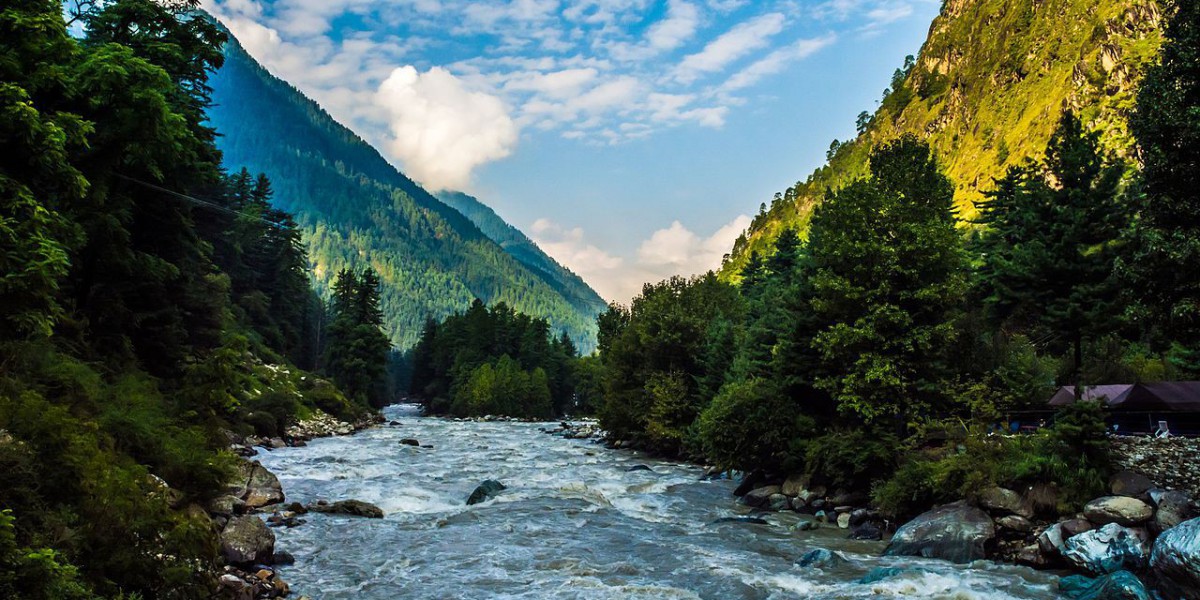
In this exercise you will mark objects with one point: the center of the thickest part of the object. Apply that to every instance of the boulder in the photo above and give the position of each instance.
(353, 508)
(866, 531)
(806, 525)
(778, 502)
(485, 491)
(1121, 585)
(1173, 509)
(235, 588)
(794, 484)
(1032, 556)
(1015, 523)
(1121, 510)
(956, 532)
(1176, 560)
(843, 520)
(246, 540)
(1074, 527)
(283, 558)
(806, 496)
(1004, 501)
(1129, 483)
(798, 504)
(1107, 550)
(844, 498)
(820, 558)
(760, 497)
(226, 505)
(410, 442)
(749, 482)
(860, 516)
(1052, 541)
(255, 485)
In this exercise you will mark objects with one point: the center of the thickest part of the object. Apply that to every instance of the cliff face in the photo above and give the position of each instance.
(986, 91)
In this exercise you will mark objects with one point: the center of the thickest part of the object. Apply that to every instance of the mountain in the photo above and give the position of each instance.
(519, 246)
(356, 210)
(986, 91)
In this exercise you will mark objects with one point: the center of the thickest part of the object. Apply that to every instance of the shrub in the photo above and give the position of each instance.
(750, 425)
(852, 459)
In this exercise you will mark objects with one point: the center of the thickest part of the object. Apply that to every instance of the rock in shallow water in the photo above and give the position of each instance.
(354, 508)
(1176, 560)
(956, 532)
(760, 497)
(1106, 550)
(1121, 585)
(820, 558)
(486, 491)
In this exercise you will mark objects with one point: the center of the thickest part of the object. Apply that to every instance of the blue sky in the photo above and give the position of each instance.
(630, 138)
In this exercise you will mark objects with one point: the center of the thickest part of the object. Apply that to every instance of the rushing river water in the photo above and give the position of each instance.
(573, 523)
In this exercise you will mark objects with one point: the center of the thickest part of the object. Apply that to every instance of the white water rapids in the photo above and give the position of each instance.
(573, 523)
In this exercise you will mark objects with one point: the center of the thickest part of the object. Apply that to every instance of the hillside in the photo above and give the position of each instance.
(986, 91)
(517, 244)
(356, 210)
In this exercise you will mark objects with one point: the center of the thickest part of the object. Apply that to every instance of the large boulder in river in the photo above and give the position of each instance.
(760, 497)
(485, 491)
(1106, 550)
(1121, 510)
(353, 508)
(956, 532)
(1176, 560)
(246, 540)
(1121, 585)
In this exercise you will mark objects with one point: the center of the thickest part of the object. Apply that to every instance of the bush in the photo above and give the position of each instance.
(750, 425)
(852, 459)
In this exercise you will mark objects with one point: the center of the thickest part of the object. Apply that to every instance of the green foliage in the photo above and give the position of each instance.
(467, 363)
(356, 211)
(1163, 266)
(750, 425)
(35, 574)
(888, 274)
(356, 354)
(852, 458)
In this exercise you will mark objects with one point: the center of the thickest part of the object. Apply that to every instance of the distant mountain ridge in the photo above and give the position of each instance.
(526, 251)
(985, 91)
(357, 210)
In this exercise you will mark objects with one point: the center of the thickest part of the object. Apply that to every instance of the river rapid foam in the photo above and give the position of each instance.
(573, 523)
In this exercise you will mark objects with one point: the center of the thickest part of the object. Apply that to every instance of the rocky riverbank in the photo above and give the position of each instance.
(246, 538)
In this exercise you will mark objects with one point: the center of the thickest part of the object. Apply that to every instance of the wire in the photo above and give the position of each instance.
(198, 201)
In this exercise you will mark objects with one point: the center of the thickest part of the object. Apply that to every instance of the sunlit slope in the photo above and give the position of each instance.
(986, 91)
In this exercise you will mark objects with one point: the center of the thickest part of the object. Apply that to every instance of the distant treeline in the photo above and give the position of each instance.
(500, 362)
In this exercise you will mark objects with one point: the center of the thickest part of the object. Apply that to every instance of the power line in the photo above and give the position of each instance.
(197, 201)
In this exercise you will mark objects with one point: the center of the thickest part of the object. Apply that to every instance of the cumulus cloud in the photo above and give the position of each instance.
(680, 25)
(739, 41)
(439, 129)
(673, 250)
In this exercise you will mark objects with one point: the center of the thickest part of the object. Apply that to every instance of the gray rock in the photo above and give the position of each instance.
(1176, 560)
(1173, 509)
(639, 468)
(798, 504)
(1106, 550)
(1128, 483)
(1015, 523)
(844, 498)
(1032, 556)
(866, 531)
(807, 525)
(1052, 541)
(820, 558)
(749, 482)
(283, 558)
(750, 520)
(1121, 585)
(410, 442)
(1074, 527)
(1121, 510)
(1004, 501)
(226, 505)
(860, 516)
(956, 532)
(257, 486)
(760, 497)
(820, 516)
(843, 520)
(246, 540)
(778, 502)
(794, 484)
(353, 508)
(485, 491)
(806, 496)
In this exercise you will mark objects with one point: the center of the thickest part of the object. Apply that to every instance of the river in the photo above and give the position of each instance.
(573, 523)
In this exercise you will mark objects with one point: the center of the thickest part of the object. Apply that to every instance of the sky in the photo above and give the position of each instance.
(631, 139)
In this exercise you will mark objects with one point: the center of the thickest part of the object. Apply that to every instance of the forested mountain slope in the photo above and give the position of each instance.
(986, 91)
(516, 243)
(356, 210)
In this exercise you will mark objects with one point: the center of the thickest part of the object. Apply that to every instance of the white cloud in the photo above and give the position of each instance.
(439, 129)
(776, 62)
(674, 250)
(679, 26)
(739, 41)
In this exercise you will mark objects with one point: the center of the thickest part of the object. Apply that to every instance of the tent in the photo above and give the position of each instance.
(1138, 407)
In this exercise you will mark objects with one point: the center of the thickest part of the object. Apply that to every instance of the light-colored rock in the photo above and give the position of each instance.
(1106, 550)
(794, 484)
(1015, 523)
(1176, 560)
(1004, 501)
(1121, 510)
(246, 540)
(956, 532)
(843, 520)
